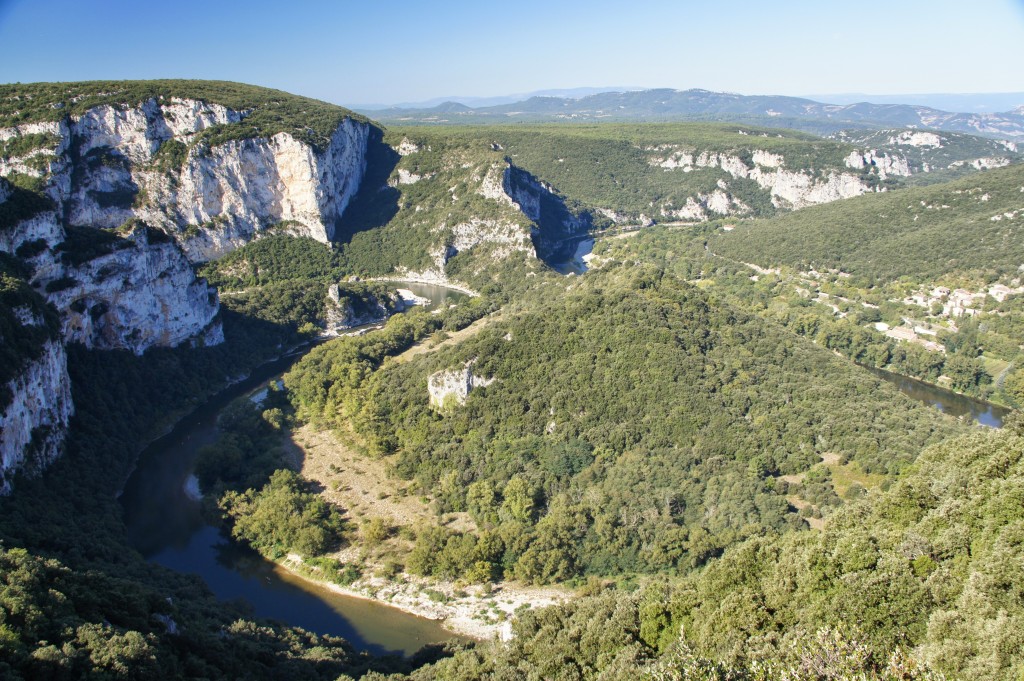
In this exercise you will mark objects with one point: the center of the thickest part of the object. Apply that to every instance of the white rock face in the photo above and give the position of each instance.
(913, 138)
(494, 186)
(341, 317)
(136, 297)
(43, 226)
(509, 237)
(798, 190)
(242, 187)
(34, 423)
(990, 162)
(232, 191)
(100, 173)
(886, 164)
(788, 188)
(407, 147)
(455, 384)
(768, 159)
(184, 117)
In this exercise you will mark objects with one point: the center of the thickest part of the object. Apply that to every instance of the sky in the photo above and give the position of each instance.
(370, 52)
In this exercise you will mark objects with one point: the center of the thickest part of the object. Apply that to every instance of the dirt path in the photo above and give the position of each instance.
(429, 345)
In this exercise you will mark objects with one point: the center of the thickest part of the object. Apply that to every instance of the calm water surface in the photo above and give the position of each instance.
(166, 525)
(946, 401)
(577, 265)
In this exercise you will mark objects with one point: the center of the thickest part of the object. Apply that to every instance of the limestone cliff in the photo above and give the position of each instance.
(33, 424)
(452, 386)
(114, 163)
(236, 190)
(120, 194)
(35, 392)
(789, 188)
(143, 293)
(542, 204)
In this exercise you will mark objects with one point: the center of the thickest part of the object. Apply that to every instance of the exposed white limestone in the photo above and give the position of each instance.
(220, 199)
(34, 423)
(788, 188)
(341, 317)
(454, 385)
(886, 164)
(406, 147)
(140, 295)
(237, 189)
(405, 177)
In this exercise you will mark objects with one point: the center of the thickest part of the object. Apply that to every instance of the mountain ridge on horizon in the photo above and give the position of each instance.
(666, 104)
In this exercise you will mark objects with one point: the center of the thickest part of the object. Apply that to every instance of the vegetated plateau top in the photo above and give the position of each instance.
(265, 112)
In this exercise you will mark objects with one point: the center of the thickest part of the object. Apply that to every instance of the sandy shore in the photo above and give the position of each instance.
(473, 611)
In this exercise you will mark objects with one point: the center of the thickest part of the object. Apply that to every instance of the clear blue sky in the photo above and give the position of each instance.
(386, 51)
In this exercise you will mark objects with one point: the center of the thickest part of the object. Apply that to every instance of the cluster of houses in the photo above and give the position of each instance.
(960, 302)
(922, 335)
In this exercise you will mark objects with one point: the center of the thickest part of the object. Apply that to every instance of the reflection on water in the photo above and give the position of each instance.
(234, 572)
(946, 401)
(167, 527)
(577, 264)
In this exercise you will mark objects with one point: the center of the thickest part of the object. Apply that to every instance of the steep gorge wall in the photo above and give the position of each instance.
(173, 201)
(33, 424)
(789, 189)
(233, 191)
(112, 164)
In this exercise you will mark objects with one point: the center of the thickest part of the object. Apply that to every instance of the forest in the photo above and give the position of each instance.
(968, 228)
(681, 437)
(629, 372)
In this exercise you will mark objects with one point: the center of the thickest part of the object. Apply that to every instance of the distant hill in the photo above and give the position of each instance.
(974, 102)
(969, 227)
(668, 105)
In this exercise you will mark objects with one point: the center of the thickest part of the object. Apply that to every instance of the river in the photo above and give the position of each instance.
(577, 264)
(165, 524)
(946, 401)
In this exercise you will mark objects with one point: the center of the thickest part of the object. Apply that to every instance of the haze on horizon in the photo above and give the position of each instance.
(383, 53)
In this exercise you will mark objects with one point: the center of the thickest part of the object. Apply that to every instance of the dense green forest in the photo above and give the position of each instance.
(970, 227)
(978, 355)
(933, 564)
(285, 279)
(632, 427)
(676, 435)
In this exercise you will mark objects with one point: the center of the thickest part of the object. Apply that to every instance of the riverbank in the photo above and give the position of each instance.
(482, 612)
(363, 487)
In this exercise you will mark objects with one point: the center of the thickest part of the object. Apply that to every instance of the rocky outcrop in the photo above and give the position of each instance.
(885, 164)
(143, 293)
(107, 166)
(502, 236)
(543, 205)
(788, 188)
(34, 422)
(230, 193)
(454, 385)
(916, 138)
(341, 315)
(173, 199)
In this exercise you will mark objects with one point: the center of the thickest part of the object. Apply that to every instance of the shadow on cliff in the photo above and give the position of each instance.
(376, 203)
(561, 225)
